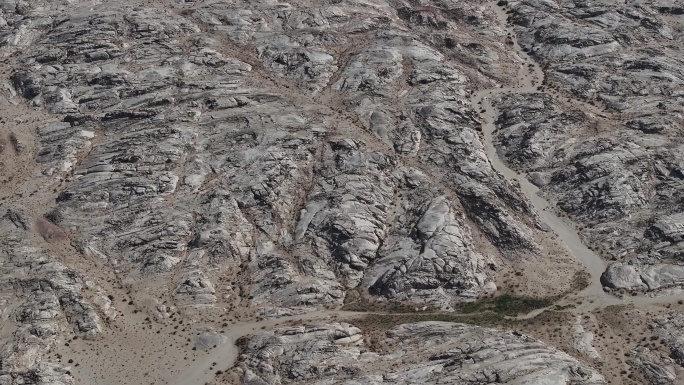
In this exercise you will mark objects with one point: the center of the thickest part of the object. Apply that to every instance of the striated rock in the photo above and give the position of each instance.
(51, 290)
(669, 327)
(601, 136)
(669, 228)
(216, 160)
(44, 374)
(42, 301)
(649, 277)
(582, 341)
(441, 262)
(194, 288)
(618, 276)
(267, 157)
(426, 352)
(654, 367)
(28, 85)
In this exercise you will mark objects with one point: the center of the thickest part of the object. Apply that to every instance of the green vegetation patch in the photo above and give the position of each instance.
(384, 322)
(505, 305)
(357, 301)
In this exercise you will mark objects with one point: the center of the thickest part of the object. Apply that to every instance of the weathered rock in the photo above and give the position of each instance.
(427, 352)
(273, 156)
(670, 328)
(207, 339)
(670, 228)
(621, 276)
(582, 341)
(440, 263)
(218, 158)
(653, 366)
(642, 277)
(602, 133)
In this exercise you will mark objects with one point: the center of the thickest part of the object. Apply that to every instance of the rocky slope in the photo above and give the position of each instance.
(170, 169)
(601, 136)
(426, 353)
(269, 153)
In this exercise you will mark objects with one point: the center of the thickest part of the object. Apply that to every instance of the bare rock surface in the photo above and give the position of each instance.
(582, 341)
(250, 157)
(669, 327)
(429, 353)
(600, 136)
(172, 169)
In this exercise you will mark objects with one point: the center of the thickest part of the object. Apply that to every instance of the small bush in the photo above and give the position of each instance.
(16, 144)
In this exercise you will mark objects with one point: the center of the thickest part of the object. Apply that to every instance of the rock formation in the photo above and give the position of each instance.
(426, 353)
(600, 138)
(210, 161)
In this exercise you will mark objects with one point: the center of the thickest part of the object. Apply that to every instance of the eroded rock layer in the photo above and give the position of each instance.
(217, 161)
(425, 353)
(601, 137)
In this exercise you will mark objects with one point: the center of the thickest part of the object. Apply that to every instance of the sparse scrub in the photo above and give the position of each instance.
(15, 142)
(580, 281)
(358, 301)
(505, 305)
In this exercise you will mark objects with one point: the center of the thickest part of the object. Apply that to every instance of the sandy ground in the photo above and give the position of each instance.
(616, 332)
(139, 350)
(530, 77)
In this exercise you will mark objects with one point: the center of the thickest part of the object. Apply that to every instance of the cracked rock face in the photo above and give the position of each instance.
(270, 157)
(264, 144)
(601, 136)
(43, 300)
(669, 327)
(429, 353)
